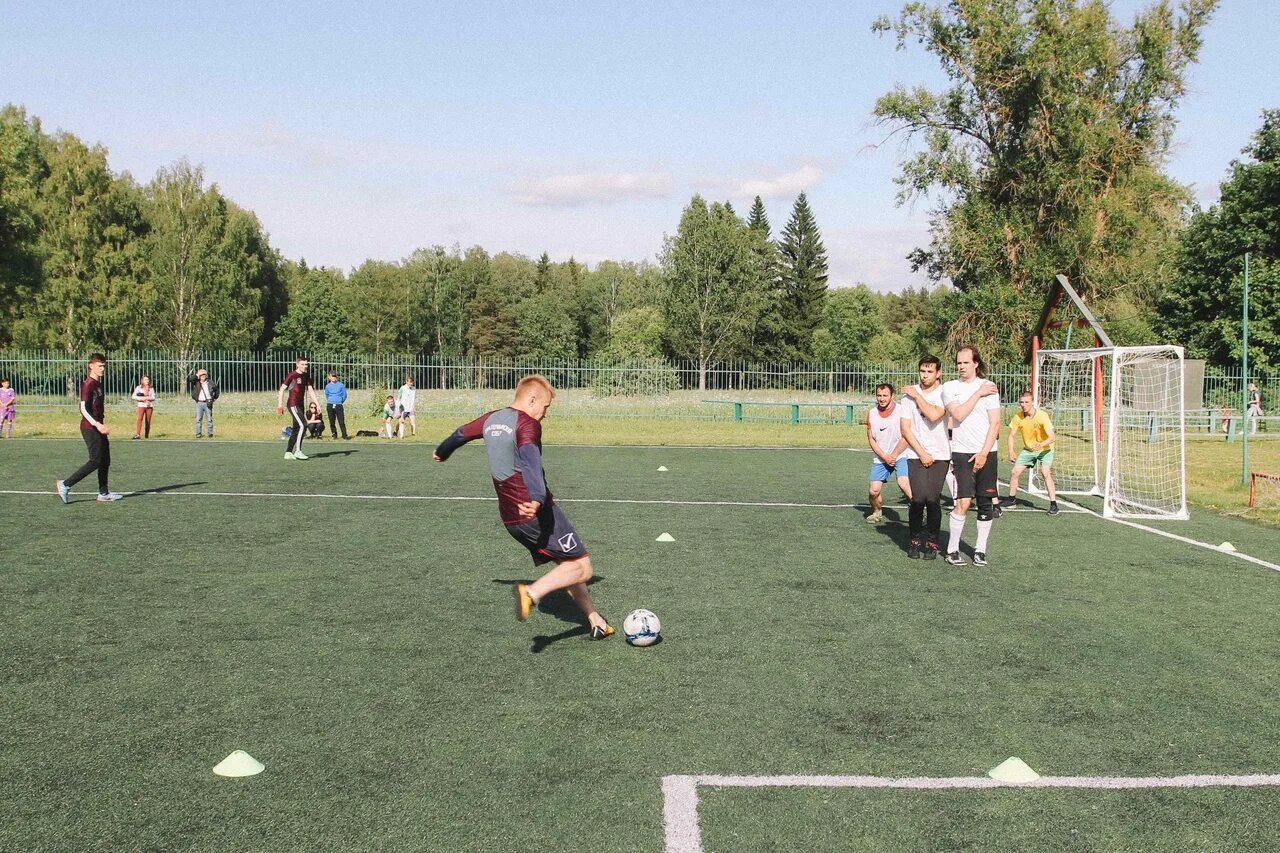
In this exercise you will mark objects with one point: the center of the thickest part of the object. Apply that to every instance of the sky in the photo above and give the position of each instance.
(367, 130)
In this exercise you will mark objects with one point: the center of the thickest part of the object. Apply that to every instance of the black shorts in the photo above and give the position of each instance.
(549, 537)
(970, 484)
(926, 483)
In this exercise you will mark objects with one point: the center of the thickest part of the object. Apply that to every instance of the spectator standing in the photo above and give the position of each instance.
(205, 392)
(407, 400)
(335, 398)
(8, 396)
(1254, 415)
(145, 396)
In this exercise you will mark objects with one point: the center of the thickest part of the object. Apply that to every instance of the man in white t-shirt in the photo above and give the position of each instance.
(928, 454)
(973, 413)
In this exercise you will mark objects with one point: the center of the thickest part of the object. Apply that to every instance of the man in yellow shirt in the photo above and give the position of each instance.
(1037, 448)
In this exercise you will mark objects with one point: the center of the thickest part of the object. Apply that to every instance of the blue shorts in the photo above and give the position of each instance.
(880, 471)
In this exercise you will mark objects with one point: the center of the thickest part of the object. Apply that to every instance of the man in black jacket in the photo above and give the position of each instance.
(204, 391)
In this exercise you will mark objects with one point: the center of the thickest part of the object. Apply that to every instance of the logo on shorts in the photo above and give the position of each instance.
(567, 542)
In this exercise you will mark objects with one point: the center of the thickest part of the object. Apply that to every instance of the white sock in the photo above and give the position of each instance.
(984, 530)
(956, 529)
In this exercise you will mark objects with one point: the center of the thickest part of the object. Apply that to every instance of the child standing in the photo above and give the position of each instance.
(7, 397)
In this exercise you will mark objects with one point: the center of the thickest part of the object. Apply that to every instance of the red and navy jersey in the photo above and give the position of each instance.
(513, 441)
(91, 401)
(297, 382)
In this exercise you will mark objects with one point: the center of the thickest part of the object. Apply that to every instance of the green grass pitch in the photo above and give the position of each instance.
(357, 638)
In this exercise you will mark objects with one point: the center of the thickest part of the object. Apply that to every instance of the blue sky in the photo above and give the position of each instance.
(361, 131)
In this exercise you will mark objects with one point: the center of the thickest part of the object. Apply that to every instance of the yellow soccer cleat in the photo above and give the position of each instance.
(524, 602)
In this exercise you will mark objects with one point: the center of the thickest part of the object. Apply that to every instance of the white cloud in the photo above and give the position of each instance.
(591, 188)
(783, 186)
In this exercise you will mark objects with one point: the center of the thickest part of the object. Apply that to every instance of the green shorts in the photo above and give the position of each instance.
(1030, 458)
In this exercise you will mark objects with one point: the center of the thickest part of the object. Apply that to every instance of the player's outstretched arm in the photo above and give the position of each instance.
(469, 431)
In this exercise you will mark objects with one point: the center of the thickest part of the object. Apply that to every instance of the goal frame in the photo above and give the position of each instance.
(1107, 417)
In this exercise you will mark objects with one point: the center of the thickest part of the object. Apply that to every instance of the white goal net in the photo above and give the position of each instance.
(1119, 417)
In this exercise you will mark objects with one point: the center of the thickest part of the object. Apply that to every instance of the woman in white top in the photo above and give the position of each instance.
(145, 396)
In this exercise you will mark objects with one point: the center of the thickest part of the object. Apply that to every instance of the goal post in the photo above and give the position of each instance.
(1119, 416)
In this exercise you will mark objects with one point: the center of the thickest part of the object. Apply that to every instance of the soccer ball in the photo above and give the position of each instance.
(641, 627)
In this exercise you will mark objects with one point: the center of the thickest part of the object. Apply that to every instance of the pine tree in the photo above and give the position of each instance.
(804, 279)
(758, 221)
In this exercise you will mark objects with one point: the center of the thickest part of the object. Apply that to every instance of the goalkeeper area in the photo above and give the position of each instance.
(347, 621)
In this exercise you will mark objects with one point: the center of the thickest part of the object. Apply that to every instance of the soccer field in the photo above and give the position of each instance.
(347, 621)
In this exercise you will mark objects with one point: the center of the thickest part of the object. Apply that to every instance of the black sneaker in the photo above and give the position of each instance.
(1053, 507)
(913, 549)
(931, 551)
(955, 558)
(1008, 501)
(979, 558)
(599, 633)
(996, 511)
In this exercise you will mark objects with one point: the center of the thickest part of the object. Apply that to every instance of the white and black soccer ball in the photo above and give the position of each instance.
(641, 627)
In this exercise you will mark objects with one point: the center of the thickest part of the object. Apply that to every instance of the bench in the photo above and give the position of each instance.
(793, 407)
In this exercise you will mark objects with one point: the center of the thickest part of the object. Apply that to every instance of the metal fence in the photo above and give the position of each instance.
(49, 378)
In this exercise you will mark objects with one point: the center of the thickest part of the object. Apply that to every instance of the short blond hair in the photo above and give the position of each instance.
(526, 386)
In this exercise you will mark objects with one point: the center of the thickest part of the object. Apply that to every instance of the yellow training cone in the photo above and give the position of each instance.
(1013, 771)
(666, 537)
(239, 763)
(1227, 546)
(662, 467)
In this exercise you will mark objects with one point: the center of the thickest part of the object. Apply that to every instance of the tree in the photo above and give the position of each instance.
(1045, 151)
(91, 227)
(205, 257)
(1202, 307)
(495, 309)
(22, 170)
(380, 302)
(316, 321)
(850, 320)
(804, 279)
(715, 292)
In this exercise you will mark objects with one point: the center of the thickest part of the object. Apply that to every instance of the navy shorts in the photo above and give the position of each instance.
(549, 536)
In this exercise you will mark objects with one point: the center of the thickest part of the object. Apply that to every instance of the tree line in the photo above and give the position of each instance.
(1045, 155)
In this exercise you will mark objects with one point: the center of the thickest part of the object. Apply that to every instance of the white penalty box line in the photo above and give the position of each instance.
(680, 793)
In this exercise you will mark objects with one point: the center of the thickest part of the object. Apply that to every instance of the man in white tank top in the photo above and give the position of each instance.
(884, 435)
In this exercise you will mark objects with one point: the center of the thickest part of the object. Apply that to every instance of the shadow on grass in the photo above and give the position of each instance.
(159, 490)
(560, 605)
(331, 453)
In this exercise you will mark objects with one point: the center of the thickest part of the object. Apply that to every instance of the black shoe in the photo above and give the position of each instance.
(1053, 507)
(598, 633)
(979, 558)
(996, 511)
(913, 550)
(1008, 501)
(955, 558)
(931, 551)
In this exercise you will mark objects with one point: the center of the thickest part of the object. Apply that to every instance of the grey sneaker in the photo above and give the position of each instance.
(108, 497)
(1053, 507)
(979, 558)
(64, 491)
(955, 558)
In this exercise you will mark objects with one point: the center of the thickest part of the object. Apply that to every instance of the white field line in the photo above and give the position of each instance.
(1174, 536)
(680, 793)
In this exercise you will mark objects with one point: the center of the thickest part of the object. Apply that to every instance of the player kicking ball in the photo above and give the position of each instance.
(1038, 438)
(513, 441)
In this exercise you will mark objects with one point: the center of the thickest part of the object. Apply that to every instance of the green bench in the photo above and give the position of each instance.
(794, 407)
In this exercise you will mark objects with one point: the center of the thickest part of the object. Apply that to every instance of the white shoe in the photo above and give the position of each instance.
(297, 454)
(108, 497)
(288, 455)
(875, 518)
(64, 491)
